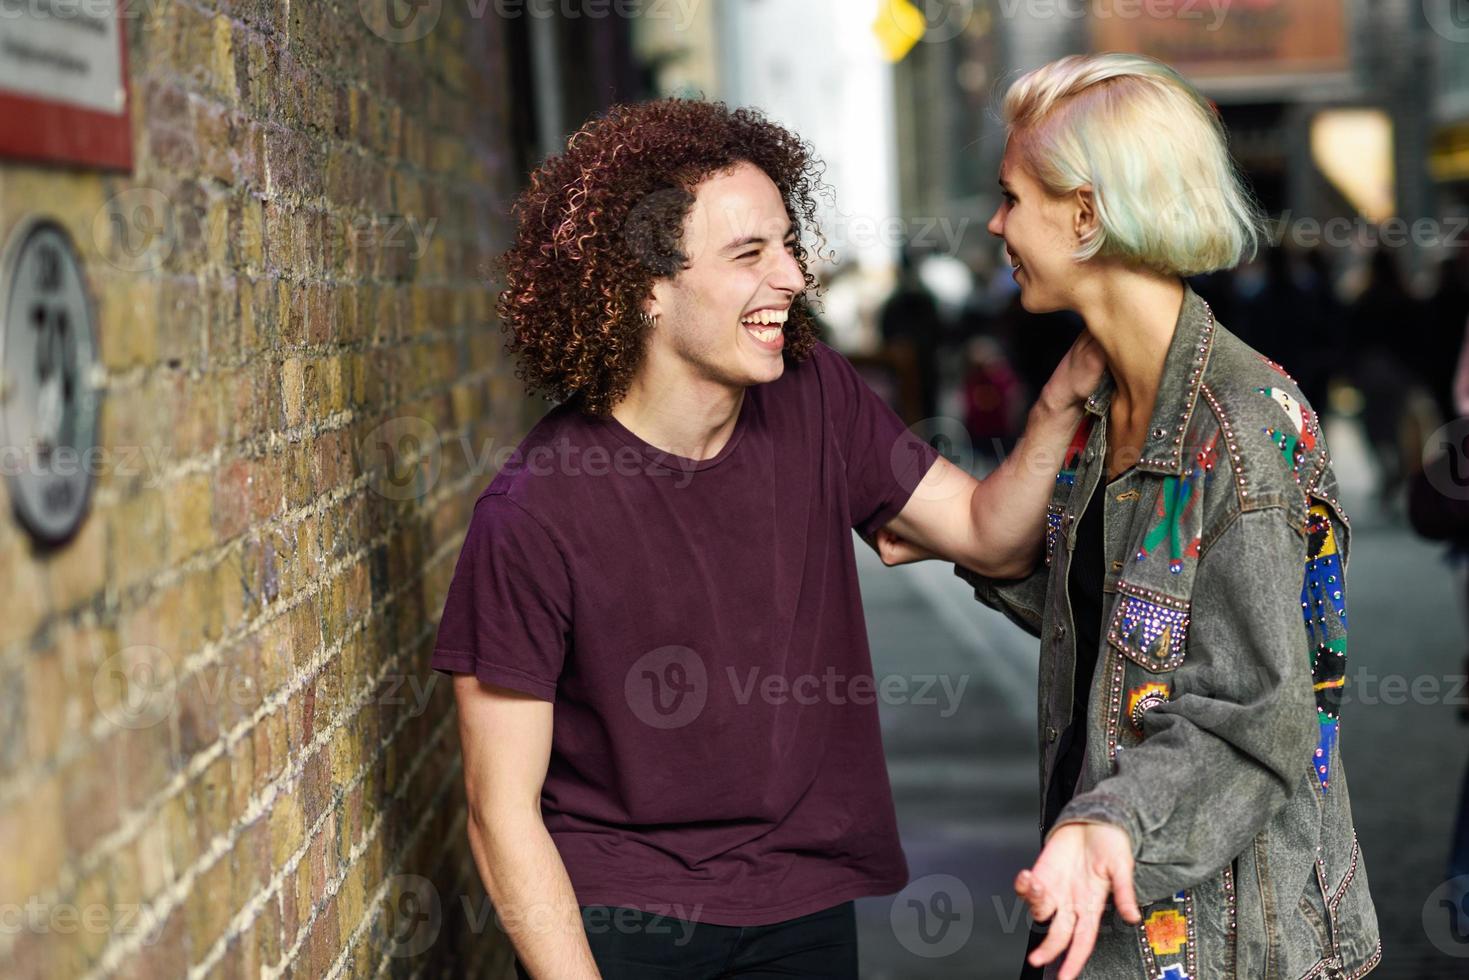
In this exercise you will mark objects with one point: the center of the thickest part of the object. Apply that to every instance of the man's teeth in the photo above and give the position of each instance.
(766, 316)
(768, 335)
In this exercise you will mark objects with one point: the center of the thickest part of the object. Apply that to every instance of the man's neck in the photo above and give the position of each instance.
(668, 407)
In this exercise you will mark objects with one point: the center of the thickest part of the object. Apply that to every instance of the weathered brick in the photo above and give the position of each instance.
(136, 537)
(190, 516)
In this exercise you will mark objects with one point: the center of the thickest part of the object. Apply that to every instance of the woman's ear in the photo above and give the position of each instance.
(1084, 221)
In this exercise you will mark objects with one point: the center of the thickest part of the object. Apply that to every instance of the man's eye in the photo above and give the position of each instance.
(746, 255)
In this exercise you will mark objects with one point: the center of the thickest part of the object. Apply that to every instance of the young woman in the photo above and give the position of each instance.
(1192, 606)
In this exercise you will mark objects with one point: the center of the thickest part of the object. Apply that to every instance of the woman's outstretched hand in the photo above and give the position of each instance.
(1079, 866)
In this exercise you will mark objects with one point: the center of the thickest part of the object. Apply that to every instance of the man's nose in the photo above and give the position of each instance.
(788, 274)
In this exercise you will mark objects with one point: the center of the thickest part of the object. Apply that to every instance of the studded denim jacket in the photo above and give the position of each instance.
(1212, 725)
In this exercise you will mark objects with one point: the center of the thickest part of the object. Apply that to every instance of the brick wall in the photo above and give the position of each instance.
(222, 753)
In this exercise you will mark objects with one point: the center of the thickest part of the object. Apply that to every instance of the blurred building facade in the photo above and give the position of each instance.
(1331, 105)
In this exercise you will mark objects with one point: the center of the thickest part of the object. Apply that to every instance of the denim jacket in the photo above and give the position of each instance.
(1212, 724)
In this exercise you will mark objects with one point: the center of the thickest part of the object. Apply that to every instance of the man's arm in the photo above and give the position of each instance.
(995, 526)
(505, 737)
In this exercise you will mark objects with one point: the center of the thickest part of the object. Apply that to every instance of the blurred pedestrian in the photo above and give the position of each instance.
(1438, 508)
(912, 330)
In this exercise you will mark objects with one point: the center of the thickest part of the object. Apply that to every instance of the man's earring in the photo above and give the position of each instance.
(648, 318)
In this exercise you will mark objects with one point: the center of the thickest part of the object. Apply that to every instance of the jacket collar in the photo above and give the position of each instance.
(1178, 393)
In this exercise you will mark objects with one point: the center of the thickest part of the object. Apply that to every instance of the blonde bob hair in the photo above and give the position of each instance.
(1152, 149)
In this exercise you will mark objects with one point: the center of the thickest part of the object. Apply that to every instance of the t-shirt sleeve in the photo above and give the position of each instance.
(507, 615)
(884, 461)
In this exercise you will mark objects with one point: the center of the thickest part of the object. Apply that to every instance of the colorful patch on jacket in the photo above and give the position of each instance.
(1055, 519)
(1294, 443)
(1144, 623)
(1167, 931)
(1176, 499)
(1143, 698)
(1323, 595)
(1067, 475)
(1167, 941)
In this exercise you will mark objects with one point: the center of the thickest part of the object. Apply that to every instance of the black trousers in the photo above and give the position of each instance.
(632, 945)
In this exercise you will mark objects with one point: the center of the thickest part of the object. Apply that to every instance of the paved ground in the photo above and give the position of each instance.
(960, 737)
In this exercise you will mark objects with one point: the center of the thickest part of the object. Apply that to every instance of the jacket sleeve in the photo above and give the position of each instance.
(1022, 600)
(1237, 736)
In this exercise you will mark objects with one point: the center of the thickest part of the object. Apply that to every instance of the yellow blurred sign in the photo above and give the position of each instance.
(1244, 41)
(898, 27)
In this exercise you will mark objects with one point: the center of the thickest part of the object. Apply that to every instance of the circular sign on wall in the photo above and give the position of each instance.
(48, 403)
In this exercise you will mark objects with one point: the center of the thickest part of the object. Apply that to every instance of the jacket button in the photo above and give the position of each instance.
(1061, 631)
(1050, 734)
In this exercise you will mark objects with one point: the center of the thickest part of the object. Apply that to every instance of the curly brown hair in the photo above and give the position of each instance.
(598, 224)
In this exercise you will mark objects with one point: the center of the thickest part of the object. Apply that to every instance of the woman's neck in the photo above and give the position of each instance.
(1132, 314)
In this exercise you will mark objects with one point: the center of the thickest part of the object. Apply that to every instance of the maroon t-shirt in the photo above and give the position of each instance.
(716, 753)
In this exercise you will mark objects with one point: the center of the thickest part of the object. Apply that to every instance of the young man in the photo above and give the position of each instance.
(672, 757)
